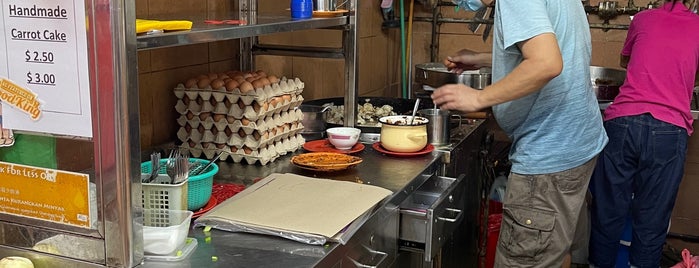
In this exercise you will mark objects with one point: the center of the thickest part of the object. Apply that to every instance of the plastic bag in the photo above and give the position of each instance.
(688, 261)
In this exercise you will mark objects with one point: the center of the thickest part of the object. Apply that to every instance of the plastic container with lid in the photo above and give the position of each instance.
(301, 9)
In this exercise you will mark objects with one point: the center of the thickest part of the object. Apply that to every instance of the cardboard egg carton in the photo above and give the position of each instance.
(262, 155)
(239, 111)
(272, 106)
(234, 125)
(255, 139)
(283, 87)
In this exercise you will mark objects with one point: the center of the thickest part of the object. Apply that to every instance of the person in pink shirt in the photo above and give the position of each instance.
(648, 124)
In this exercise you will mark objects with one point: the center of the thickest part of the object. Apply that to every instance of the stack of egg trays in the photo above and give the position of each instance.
(257, 126)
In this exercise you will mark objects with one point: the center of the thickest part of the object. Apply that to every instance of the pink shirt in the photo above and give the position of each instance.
(663, 45)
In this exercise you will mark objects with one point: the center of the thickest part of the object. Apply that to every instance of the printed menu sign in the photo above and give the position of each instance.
(45, 194)
(44, 71)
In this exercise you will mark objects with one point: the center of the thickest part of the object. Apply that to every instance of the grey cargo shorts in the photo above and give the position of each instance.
(540, 214)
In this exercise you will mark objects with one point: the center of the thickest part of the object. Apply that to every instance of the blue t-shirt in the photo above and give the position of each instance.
(560, 126)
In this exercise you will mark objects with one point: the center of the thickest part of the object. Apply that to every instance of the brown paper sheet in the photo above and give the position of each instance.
(289, 202)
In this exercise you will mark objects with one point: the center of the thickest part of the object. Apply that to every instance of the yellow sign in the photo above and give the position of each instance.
(45, 194)
(19, 97)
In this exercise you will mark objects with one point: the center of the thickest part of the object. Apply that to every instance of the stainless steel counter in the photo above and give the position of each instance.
(399, 174)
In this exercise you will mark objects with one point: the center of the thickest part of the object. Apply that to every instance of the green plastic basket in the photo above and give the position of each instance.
(198, 187)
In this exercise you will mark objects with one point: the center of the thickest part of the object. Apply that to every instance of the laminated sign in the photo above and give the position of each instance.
(45, 194)
(45, 74)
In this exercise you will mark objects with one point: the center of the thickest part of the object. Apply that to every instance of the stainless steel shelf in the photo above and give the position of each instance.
(204, 33)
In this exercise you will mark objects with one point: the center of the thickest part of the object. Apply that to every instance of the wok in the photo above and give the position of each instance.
(400, 106)
(434, 74)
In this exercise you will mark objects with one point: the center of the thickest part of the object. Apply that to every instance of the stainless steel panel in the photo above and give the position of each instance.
(203, 33)
(432, 212)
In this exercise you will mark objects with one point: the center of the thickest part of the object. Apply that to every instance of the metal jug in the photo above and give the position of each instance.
(438, 128)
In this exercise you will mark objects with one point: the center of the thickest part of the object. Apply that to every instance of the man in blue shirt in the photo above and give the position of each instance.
(542, 98)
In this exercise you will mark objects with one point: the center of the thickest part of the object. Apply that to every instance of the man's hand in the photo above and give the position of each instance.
(457, 97)
(467, 60)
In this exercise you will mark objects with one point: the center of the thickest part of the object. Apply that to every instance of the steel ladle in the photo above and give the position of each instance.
(412, 118)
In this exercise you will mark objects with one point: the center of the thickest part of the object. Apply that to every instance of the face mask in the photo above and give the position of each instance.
(472, 5)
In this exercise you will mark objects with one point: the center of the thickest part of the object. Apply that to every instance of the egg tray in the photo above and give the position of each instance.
(283, 87)
(257, 139)
(262, 155)
(235, 125)
(250, 112)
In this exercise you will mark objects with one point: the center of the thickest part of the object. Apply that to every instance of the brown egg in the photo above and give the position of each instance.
(286, 98)
(274, 101)
(265, 135)
(245, 121)
(265, 106)
(204, 116)
(214, 131)
(188, 128)
(227, 103)
(241, 133)
(265, 81)
(185, 99)
(232, 73)
(258, 84)
(247, 75)
(213, 102)
(261, 73)
(199, 101)
(223, 77)
(247, 150)
(213, 76)
(246, 87)
(230, 119)
(192, 144)
(234, 149)
(256, 135)
(231, 85)
(280, 129)
(202, 76)
(273, 79)
(228, 131)
(251, 79)
(256, 106)
(273, 132)
(219, 117)
(203, 83)
(201, 129)
(190, 83)
(241, 105)
(217, 83)
(189, 115)
(206, 144)
(220, 145)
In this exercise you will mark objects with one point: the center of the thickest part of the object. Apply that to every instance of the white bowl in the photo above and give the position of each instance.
(343, 138)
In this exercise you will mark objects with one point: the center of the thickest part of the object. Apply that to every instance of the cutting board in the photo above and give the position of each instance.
(298, 204)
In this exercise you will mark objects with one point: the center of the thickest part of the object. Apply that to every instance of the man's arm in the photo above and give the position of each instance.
(542, 62)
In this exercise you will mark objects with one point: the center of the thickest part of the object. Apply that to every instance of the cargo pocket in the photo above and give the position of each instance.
(526, 232)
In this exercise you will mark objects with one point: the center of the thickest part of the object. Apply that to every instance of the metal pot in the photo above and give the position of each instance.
(314, 125)
(434, 74)
(606, 82)
(398, 136)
